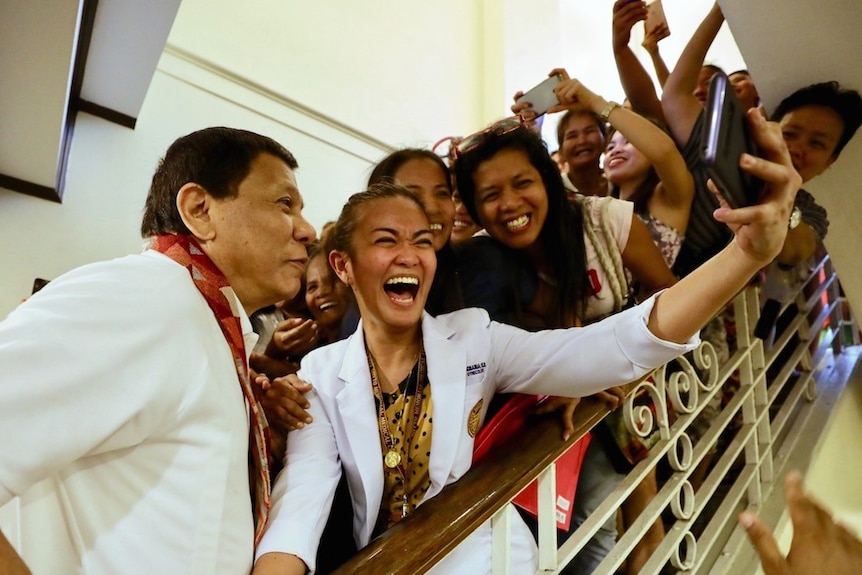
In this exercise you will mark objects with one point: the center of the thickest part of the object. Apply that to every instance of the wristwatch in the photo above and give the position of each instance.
(606, 113)
(795, 218)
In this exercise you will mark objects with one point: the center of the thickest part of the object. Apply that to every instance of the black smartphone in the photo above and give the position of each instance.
(726, 138)
(541, 97)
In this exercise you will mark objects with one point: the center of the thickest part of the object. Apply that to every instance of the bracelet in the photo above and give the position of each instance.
(608, 110)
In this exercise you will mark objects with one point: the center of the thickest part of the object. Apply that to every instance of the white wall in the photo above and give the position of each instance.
(401, 71)
(339, 83)
(110, 168)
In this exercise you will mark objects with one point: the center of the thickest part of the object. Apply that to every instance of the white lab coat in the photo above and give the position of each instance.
(470, 358)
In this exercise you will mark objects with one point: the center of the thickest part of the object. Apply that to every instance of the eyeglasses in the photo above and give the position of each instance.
(504, 126)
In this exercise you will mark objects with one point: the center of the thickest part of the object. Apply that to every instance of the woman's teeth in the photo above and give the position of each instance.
(402, 280)
(518, 223)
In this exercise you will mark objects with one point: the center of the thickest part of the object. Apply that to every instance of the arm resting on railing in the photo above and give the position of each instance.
(440, 524)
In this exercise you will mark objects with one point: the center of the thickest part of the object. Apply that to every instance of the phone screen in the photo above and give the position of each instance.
(725, 140)
(542, 96)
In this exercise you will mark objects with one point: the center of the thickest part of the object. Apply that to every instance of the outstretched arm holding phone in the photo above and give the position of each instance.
(759, 230)
(650, 44)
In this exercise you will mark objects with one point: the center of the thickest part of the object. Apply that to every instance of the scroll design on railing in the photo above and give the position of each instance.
(685, 553)
(683, 388)
(682, 505)
(681, 454)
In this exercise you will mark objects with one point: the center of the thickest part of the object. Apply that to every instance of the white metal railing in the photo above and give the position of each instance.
(701, 533)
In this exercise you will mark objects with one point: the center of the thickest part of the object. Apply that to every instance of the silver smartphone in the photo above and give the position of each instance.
(541, 97)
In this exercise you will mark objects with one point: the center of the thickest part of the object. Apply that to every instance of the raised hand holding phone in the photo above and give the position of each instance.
(626, 13)
(655, 25)
(571, 93)
(759, 229)
(540, 98)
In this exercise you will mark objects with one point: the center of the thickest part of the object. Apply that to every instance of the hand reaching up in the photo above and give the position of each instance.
(626, 14)
(820, 546)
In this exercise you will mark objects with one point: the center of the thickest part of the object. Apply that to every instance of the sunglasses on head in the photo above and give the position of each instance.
(448, 153)
(500, 128)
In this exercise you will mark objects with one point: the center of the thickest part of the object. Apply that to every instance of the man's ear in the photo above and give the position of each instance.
(194, 204)
(340, 263)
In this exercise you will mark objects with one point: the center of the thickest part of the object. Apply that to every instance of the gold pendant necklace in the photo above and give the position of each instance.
(393, 459)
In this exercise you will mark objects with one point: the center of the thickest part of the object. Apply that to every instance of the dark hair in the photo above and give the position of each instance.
(316, 249)
(341, 237)
(386, 168)
(217, 159)
(846, 103)
(571, 113)
(562, 234)
(647, 187)
(742, 71)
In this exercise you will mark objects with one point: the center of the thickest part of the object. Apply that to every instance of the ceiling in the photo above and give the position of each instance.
(59, 58)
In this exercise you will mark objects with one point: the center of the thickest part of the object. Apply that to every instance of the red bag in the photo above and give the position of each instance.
(504, 426)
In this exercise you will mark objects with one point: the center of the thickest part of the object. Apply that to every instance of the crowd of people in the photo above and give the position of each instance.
(343, 377)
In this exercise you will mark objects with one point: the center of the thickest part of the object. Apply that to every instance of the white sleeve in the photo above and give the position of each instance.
(83, 372)
(577, 362)
(303, 492)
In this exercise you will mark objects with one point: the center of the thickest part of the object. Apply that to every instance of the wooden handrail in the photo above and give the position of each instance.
(439, 525)
(10, 562)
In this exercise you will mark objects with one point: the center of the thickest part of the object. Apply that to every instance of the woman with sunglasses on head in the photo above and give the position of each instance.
(574, 251)
(567, 264)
